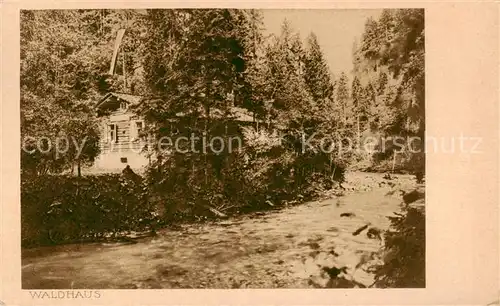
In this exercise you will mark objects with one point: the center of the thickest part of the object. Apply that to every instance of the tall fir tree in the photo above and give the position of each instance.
(358, 104)
(342, 97)
(317, 74)
(382, 81)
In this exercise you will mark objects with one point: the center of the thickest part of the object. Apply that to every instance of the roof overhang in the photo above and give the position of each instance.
(131, 99)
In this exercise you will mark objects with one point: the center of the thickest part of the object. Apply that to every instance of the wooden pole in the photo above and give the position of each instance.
(119, 37)
(124, 73)
(124, 59)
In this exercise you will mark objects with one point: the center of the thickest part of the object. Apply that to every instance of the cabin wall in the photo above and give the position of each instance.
(114, 162)
(115, 156)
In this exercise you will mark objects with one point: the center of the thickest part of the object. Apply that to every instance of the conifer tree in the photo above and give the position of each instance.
(342, 96)
(317, 74)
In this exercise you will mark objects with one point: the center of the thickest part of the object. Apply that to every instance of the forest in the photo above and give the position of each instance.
(197, 61)
(177, 55)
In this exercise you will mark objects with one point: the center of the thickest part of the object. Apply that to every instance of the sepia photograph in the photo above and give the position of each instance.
(223, 148)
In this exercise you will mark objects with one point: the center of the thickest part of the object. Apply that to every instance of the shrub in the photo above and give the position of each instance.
(404, 258)
(58, 209)
(264, 174)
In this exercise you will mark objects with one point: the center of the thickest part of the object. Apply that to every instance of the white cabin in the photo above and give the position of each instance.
(122, 141)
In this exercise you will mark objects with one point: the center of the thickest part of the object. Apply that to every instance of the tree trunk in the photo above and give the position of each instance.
(393, 161)
(357, 122)
(207, 122)
(359, 132)
(79, 167)
(124, 72)
(159, 163)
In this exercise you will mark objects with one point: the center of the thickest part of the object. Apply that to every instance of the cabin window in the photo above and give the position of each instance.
(123, 160)
(112, 133)
(123, 105)
(139, 127)
(136, 130)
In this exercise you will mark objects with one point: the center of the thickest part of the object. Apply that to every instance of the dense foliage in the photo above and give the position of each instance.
(390, 63)
(56, 90)
(199, 61)
(215, 61)
(404, 251)
(65, 56)
(61, 209)
(203, 63)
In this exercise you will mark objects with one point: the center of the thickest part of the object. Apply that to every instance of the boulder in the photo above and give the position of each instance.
(348, 214)
(414, 195)
(359, 230)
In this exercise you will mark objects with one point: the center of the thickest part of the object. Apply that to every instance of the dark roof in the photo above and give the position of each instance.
(242, 114)
(132, 99)
(237, 113)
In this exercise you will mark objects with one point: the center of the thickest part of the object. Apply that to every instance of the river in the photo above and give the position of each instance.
(278, 249)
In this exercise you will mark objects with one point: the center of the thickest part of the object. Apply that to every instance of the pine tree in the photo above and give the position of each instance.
(382, 82)
(195, 59)
(342, 96)
(357, 101)
(317, 74)
(395, 43)
(292, 103)
(251, 93)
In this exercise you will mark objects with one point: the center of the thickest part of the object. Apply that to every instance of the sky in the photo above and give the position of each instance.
(336, 30)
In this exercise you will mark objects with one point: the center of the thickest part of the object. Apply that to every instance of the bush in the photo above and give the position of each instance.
(404, 258)
(264, 174)
(59, 209)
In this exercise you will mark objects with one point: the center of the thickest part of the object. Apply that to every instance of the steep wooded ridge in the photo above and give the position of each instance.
(202, 63)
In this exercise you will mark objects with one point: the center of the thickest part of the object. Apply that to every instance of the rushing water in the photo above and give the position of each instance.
(283, 248)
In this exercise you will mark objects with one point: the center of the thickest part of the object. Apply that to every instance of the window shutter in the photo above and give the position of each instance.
(112, 133)
(133, 130)
(105, 130)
